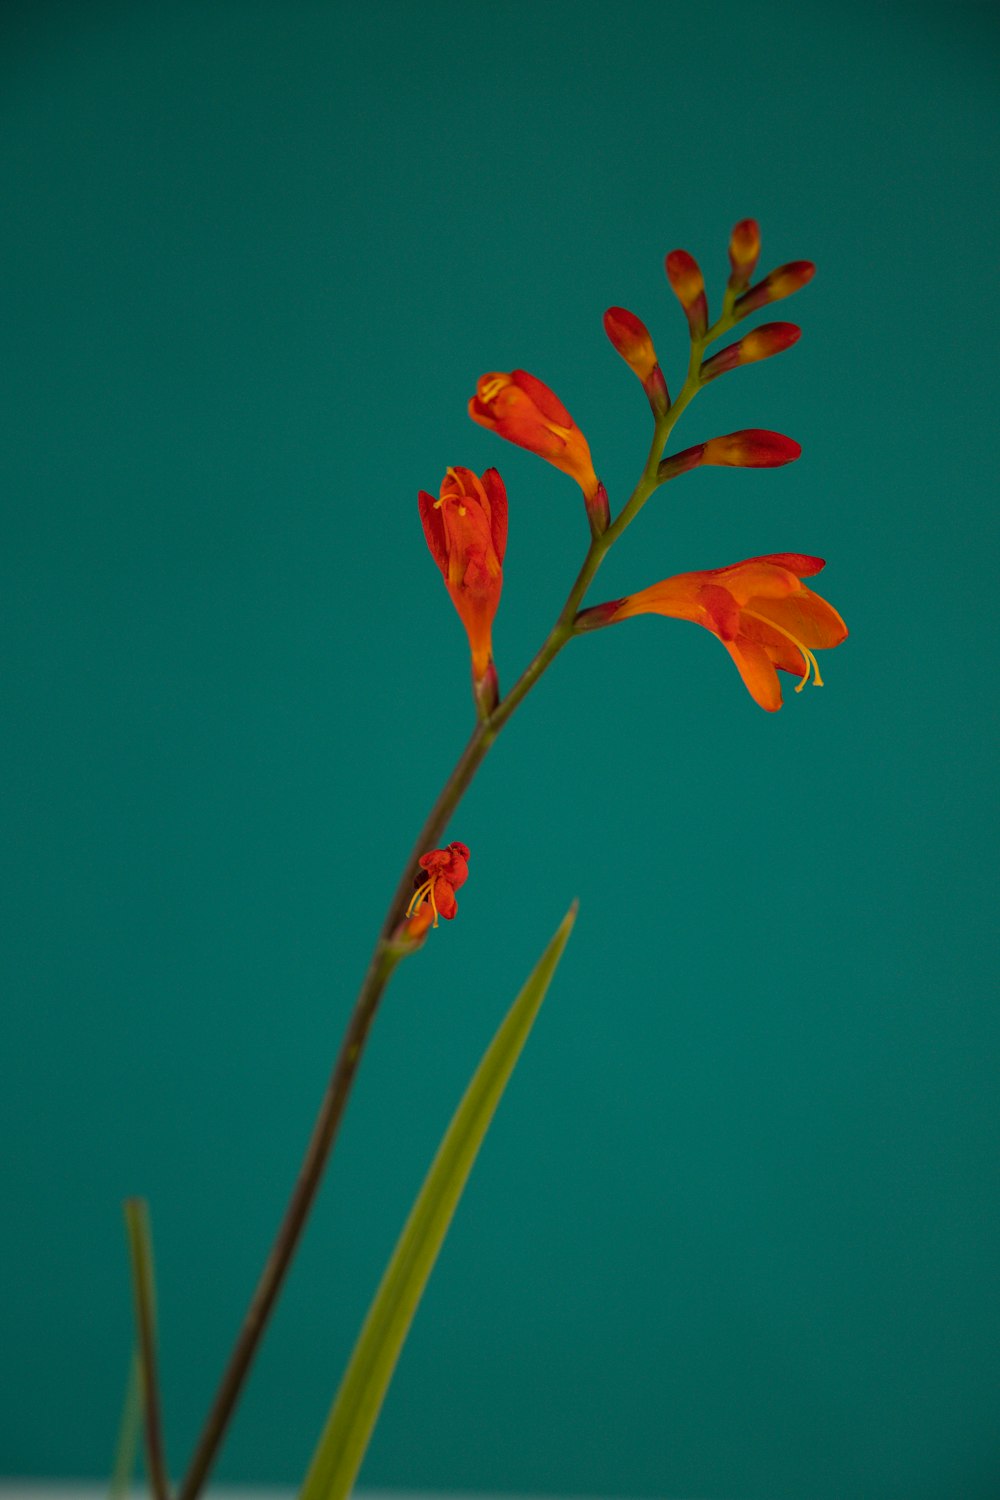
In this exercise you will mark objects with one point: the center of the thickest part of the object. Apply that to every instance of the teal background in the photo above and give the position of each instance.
(735, 1232)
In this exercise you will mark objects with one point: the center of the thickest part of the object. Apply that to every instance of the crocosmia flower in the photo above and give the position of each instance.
(466, 531)
(444, 870)
(762, 613)
(524, 411)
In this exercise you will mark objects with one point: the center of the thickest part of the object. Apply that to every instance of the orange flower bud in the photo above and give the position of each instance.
(753, 448)
(631, 338)
(520, 408)
(684, 275)
(770, 338)
(777, 284)
(466, 532)
(744, 253)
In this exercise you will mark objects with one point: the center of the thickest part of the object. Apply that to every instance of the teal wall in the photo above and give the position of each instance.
(735, 1233)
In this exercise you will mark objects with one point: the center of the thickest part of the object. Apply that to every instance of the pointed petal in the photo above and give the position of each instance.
(796, 562)
(757, 670)
(547, 401)
(433, 524)
(806, 616)
(496, 493)
(444, 898)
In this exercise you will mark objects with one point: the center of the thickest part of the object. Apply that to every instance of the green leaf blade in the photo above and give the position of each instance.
(355, 1410)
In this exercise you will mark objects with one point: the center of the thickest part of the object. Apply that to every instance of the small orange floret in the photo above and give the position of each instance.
(522, 409)
(466, 532)
(444, 870)
(766, 618)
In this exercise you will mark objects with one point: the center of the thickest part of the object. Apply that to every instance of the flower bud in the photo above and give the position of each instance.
(684, 275)
(744, 252)
(777, 284)
(770, 338)
(599, 510)
(753, 448)
(631, 338)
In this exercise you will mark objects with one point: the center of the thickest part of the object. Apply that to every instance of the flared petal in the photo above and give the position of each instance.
(805, 616)
(757, 670)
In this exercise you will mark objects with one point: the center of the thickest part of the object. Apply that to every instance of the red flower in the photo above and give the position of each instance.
(763, 615)
(524, 411)
(466, 531)
(445, 870)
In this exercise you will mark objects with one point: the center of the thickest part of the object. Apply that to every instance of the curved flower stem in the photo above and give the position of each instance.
(388, 953)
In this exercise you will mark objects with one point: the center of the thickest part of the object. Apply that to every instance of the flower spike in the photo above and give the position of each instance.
(522, 409)
(762, 343)
(684, 275)
(443, 871)
(744, 253)
(466, 532)
(777, 284)
(753, 448)
(631, 338)
(760, 610)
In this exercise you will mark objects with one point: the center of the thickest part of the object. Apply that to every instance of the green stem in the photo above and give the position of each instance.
(388, 953)
(144, 1294)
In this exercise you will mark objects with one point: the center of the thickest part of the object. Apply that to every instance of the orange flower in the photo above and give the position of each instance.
(524, 411)
(444, 871)
(763, 615)
(466, 531)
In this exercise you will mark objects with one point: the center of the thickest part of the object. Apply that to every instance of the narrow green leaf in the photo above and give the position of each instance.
(354, 1412)
(127, 1446)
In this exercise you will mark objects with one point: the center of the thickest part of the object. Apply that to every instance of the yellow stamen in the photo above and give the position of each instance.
(492, 388)
(424, 892)
(806, 654)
